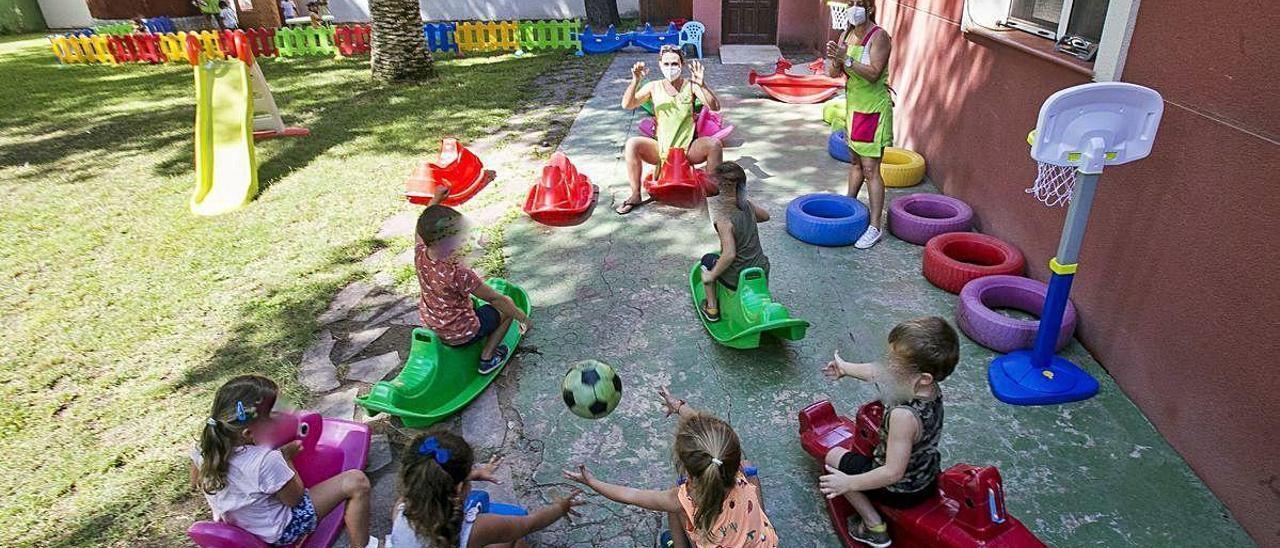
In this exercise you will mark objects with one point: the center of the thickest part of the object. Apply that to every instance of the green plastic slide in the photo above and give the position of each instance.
(226, 170)
(439, 380)
(746, 313)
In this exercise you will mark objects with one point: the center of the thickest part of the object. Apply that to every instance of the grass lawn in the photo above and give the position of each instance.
(121, 313)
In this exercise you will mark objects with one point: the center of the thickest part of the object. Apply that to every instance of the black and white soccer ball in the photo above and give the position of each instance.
(591, 389)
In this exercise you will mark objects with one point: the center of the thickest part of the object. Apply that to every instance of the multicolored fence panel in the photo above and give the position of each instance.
(136, 48)
(551, 35)
(441, 36)
(296, 42)
(114, 29)
(487, 37)
(352, 39)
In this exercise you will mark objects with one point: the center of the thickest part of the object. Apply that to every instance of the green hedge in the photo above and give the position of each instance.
(19, 16)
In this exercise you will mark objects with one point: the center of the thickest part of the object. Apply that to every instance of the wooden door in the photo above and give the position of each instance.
(750, 21)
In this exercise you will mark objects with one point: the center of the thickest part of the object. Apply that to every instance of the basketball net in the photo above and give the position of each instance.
(839, 14)
(1053, 184)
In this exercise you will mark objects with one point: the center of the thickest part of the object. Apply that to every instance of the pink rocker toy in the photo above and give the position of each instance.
(457, 169)
(707, 124)
(329, 447)
(563, 196)
(968, 511)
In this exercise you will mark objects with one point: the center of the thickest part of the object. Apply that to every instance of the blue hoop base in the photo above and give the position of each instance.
(1016, 380)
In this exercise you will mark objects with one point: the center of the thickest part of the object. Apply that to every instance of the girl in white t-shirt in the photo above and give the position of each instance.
(256, 488)
(434, 510)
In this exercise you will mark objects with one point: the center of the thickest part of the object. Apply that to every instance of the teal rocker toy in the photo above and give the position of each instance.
(746, 313)
(439, 380)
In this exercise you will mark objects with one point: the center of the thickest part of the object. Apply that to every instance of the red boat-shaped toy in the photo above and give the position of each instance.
(797, 88)
(563, 196)
(678, 183)
(458, 169)
(967, 513)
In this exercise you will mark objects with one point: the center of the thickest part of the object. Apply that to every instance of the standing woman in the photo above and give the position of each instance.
(863, 54)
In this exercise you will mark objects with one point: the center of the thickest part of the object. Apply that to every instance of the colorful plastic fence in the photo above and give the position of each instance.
(353, 39)
(114, 29)
(440, 36)
(487, 37)
(299, 41)
(551, 35)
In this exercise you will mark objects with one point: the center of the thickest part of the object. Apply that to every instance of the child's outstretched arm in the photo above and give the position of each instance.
(903, 427)
(659, 501)
(505, 305)
(761, 214)
(492, 529)
(837, 368)
(674, 405)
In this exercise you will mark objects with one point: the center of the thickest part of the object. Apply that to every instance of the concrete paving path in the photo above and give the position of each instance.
(616, 289)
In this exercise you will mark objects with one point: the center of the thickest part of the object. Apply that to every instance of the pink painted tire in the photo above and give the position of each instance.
(978, 318)
(918, 217)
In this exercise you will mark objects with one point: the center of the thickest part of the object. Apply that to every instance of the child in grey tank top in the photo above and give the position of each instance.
(734, 218)
(903, 469)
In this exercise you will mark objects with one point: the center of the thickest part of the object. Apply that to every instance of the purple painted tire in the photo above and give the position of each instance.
(917, 217)
(978, 319)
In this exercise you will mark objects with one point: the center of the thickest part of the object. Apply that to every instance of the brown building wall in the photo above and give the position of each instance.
(1177, 291)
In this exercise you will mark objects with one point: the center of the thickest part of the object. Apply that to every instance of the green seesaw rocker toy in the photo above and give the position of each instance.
(439, 380)
(747, 313)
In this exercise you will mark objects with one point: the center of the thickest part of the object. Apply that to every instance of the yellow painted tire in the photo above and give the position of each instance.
(900, 167)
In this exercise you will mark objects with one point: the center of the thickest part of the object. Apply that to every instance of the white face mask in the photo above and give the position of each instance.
(670, 73)
(858, 16)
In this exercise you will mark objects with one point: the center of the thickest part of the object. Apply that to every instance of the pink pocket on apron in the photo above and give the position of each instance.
(862, 128)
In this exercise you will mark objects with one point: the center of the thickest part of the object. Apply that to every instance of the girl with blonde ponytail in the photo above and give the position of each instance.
(436, 511)
(255, 487)
(719, 505)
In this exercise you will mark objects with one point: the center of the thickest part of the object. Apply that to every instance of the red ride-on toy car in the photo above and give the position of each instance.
(678, 183)
(458, 169)
(967, 513)
(563, 196)
(797, 88)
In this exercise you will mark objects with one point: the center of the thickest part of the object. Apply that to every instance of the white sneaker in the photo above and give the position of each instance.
(869, 238)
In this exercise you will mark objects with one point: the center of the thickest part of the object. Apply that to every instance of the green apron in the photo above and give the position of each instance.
(674, 117)
(869, 109)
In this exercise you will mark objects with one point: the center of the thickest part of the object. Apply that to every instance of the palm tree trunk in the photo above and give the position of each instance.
(601, 14)
(399, 49)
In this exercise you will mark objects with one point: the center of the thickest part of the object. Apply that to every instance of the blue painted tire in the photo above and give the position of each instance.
(829, 220)
(838, 148)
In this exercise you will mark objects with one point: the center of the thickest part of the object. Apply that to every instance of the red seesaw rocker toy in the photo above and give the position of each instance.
(797, 88)
(458, 169)
(967, 513)
(678, 183)
(563, 196)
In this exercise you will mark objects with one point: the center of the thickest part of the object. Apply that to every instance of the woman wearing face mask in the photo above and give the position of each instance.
(672, 98)
(863, 54)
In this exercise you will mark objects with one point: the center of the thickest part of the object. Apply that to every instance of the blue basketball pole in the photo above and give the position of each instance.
(1038, 376)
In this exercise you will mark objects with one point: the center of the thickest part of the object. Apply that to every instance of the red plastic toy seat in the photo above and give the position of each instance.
(678, 183)
(563, 196)
(968, 511)
(457, 169)
(796, 88)
(329, 447)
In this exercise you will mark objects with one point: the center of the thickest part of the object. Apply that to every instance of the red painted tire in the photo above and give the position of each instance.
(956, 258)
(976, 316)
(918, 217)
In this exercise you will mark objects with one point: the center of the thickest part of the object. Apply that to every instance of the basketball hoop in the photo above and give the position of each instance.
(1054, 183)
(839, 14)
(1080, 131)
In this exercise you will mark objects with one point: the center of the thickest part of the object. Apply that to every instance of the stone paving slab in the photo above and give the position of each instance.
(373, 368)
(616, 289)
(317, 372)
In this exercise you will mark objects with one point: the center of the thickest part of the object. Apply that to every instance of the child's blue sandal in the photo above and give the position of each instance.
(489, 365)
